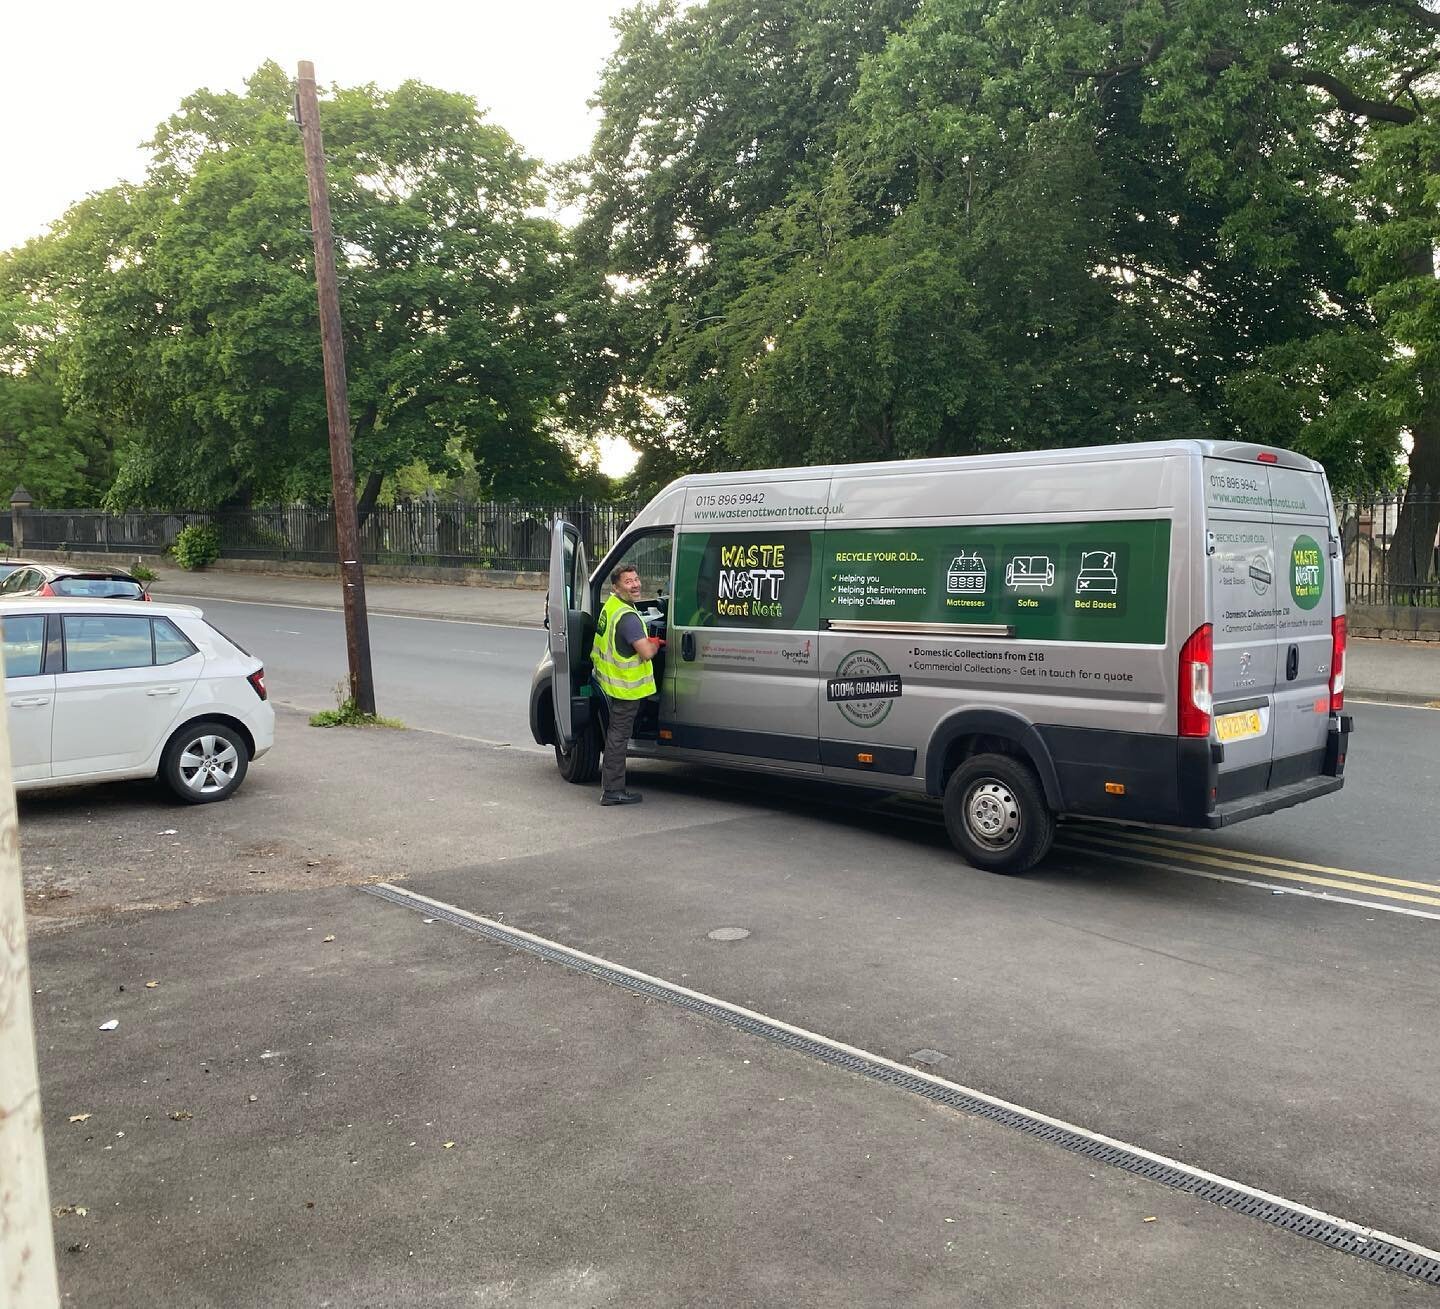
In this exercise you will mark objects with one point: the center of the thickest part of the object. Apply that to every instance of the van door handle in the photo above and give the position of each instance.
(687, 646)
(27, 701)
(163, 690)
(1292, 664)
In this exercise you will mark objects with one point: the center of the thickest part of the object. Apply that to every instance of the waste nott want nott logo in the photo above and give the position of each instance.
(863, 688)
(750, 581)
(1307, 573)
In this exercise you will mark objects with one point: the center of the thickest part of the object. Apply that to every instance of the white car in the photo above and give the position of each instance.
(102, 691)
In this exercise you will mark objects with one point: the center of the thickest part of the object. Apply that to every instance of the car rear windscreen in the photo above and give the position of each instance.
(98, 588)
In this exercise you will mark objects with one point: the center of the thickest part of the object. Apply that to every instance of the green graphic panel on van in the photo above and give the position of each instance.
(1103, 581)
(748, 579)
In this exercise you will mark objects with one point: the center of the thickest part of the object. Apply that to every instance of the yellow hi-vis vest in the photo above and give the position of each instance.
(621, 677)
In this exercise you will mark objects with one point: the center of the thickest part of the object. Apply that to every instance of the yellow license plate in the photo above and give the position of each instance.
(1239, 727)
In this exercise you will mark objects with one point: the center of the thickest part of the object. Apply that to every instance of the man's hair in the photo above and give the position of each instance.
(620, 570)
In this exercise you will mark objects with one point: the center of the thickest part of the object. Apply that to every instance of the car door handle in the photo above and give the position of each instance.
(687, 646)
(27, 701)
(163, 690)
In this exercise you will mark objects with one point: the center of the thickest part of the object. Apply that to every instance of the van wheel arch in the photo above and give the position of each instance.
(969, 732)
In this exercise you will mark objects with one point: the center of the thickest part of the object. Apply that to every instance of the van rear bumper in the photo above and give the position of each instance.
(1267, 802)
(1177, 781)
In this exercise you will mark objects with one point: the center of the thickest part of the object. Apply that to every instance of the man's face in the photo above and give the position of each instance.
(629, 586)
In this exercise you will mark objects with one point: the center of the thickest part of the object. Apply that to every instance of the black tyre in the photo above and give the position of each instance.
(581, 762)
(996, 814)
(205, 762)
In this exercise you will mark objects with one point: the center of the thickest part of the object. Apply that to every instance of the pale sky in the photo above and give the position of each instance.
(84, 82)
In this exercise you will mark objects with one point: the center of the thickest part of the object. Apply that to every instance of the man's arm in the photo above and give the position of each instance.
(632, 633)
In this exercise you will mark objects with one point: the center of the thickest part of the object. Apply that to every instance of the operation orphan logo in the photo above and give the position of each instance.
(751, 575)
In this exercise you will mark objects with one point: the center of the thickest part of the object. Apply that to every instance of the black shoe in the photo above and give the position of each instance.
(620, 797)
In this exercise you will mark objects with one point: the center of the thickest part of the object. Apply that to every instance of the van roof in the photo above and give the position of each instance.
(1241, 451)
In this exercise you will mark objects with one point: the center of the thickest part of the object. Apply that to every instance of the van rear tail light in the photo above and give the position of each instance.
(257, 681)
(1197, 663)
(1337, 664)
(1268, 457)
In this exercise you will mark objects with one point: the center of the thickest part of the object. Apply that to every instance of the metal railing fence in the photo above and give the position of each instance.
(1391, 542)
(431, 531)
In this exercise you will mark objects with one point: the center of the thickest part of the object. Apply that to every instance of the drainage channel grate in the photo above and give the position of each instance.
(1375, 1249)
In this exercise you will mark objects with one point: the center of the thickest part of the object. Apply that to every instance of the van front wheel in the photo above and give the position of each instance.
(996, 815)
(581, 762)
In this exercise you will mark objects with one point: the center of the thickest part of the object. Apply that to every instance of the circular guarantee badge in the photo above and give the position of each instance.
(861, 664)
(1307, 572)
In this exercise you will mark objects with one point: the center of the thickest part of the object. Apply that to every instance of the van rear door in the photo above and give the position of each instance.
(1241, 546)
(1306, 603)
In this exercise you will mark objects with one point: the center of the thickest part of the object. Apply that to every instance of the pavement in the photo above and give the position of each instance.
(1390, 672)
(314, 1097)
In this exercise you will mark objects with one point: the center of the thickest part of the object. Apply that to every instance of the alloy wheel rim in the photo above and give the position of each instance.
(208, 764)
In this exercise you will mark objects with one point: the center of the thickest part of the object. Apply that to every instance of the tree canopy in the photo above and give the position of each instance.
(186, 303)
(1020, 225)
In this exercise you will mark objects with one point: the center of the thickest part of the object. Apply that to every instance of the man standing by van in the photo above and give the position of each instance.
(620, 659)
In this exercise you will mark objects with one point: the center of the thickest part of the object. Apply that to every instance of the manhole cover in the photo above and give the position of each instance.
(729, 934)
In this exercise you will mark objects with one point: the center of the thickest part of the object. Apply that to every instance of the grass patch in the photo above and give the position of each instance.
(347, 714)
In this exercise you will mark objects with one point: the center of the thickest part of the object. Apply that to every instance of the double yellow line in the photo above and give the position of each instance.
(1148, 849)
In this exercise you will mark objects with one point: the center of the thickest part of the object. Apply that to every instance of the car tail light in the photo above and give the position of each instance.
(145, 595)
(1337, 664)
(257, 680)
(47, 589)
(1197, 664)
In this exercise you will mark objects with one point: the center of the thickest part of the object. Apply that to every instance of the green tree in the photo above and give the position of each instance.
(1017, 226)
(189, 310)
(62, 459)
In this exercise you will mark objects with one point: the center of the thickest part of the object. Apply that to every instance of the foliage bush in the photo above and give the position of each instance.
(141, 573)
(196, 545)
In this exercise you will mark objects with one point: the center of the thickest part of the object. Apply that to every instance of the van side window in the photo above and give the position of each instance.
(652, 554)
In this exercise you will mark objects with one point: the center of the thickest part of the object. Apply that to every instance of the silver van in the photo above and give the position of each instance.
(1145, 633)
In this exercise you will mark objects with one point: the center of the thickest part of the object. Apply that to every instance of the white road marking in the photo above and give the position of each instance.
(1367, 1233)
(336, 609)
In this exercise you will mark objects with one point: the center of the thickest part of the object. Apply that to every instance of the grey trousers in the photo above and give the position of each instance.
(622, 723)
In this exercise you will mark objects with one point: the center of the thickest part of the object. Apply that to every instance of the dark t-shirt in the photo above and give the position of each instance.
(629, 630)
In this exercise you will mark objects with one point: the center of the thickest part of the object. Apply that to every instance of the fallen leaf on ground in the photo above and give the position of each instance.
(449, 1145)
(150, 986)
(1152, 1220)
(78, 1210)
(329, 938)
(78, 1118)
(178, 1114)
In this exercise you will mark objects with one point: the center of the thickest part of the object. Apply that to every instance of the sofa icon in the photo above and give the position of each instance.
(1035, 572)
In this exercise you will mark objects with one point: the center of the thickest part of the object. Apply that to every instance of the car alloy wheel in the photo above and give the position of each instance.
(208, 764)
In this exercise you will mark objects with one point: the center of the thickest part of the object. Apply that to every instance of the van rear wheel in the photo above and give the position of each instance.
(581, 762)
(996, 814)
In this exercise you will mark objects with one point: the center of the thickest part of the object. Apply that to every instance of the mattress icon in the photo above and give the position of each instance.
(966, 575)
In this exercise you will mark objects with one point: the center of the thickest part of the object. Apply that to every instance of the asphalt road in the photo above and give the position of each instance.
(1259, 1003)
(474, 680)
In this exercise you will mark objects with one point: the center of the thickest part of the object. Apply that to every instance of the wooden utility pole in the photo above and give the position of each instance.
(337, 404)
